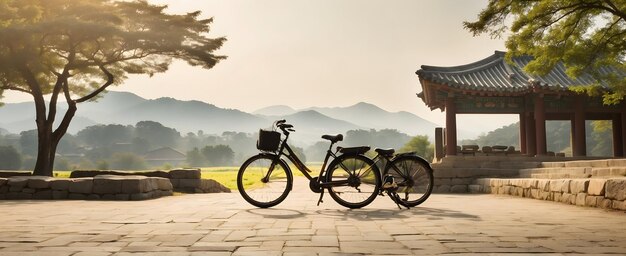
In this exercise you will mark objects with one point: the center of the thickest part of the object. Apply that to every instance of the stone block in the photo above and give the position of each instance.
(18, 182)
(556, 196)
(81, 185)
(619, 205)
(60, 184)
(134, 184)
(39, 182)
(535, 193)
(3, 181)
(615, 189)
(43, 195)
(21, 196)
(152, 184)
(108, 197)
(565, 186)
(185, 174)
(176, 183)
(578, 186)
(4, 189)
(617, 162)
(461, 181)
(581, 199)
(596, 187)
(555, 185)
(122, 197)
(565, 198)
(15, 189)
(443, 189)
(545, 195)
(592, 201)
(76, 196)
(189, 183)
(107, 184)
(141, 196)
(164, 184)
(543, 184)
(475, 188)
(605, 203)
(518, 191)
(59, 194)
(572, 199)
(29, 190)
(93, 197)
(618, 171)
(601, 172)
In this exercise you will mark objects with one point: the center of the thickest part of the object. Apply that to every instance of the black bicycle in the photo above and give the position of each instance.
(407, 178)
(264, 180)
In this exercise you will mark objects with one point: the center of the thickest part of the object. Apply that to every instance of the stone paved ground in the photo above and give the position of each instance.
(224, 224)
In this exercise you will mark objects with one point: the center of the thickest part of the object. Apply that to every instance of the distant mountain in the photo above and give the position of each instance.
(190, 116)
(369, 115)
(277, 110)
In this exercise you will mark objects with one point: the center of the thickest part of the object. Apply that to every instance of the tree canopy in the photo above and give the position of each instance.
(587, 36)
(76, 49)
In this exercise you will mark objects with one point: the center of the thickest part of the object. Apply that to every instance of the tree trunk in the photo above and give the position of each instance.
(49, 140)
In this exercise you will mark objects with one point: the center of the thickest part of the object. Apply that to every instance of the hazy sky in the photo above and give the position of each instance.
(304, 53)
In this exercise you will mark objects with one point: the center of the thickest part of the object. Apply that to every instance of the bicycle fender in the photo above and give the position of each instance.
(277, 157)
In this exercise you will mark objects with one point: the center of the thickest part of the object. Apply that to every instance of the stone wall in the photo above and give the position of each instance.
(102, 187)
(183, 180)
(608, 193)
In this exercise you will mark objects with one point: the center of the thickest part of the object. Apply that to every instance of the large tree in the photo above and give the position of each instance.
(75, 49)
(588, 36)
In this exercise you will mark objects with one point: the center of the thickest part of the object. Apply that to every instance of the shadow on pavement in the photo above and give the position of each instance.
(364, 214)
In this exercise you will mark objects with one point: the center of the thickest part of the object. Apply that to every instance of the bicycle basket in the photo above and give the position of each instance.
(268, 140)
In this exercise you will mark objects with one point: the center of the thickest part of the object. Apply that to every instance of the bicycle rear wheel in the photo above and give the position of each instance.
(414, 178)
(355, 179)
(264, 181)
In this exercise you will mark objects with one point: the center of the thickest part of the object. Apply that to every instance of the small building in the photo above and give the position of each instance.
(495, 86)
(165, 155)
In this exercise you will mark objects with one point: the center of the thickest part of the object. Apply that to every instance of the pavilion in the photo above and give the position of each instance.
(495, 86)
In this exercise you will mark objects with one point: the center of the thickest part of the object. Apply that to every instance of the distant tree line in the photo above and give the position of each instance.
(123, 147)
(558, 134)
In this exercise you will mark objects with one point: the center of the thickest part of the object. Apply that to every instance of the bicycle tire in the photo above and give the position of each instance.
(361, 171)
(414, 178)
(269, 193)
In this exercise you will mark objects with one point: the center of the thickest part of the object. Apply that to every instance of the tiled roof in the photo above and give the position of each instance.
(494, 74)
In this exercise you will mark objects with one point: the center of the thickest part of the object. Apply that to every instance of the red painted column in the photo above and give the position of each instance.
(580, 144)
(522, 132)
(540, 126)
(450, 127)
(531, 148)
(618, 147)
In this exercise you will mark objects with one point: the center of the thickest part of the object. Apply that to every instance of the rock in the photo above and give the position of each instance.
(141, 196)
(581, 199)
(39, 182)
(93, 197)
(76, 196)
(108, 197)
(164, 184)
(81, 185)
(616, 189)
(565, 186)
(443, 189)
(134, 184)
(458, 189)
(596, 187)
(122, 197)
(619, 205)
(43, 195)
(591, 201)
(60, 184)
(185, 174)
(605, 203)
(59, 194)
(475, 189)
(543, 184)
(18, 182)
(3, 181)
(444, 181)
(189, 183)
(4, 189)
(578, 186)
(29, 190)
(107, 184)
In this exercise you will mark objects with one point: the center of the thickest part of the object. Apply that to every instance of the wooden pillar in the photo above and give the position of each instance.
(540, 126)
(450, 127)
(522, 132)
(531, 148)
(579, 147)
(439, 142)
(618, 147)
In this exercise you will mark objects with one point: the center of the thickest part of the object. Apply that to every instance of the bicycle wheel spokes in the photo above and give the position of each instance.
(356, 181)
(414, 179)
(262, 183)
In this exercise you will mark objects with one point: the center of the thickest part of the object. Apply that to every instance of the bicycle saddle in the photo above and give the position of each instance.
(385, 151)
(333, 138)
(353, 150)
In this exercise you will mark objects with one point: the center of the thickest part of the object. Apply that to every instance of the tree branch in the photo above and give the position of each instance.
(110, 79)
(67, 118)
(15, 88)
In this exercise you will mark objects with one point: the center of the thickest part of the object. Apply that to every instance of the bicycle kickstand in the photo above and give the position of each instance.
(395, 197)
(320, 200)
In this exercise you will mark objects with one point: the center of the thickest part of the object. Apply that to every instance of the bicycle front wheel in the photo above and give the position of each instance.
(354, 180)
(414, 179)
(264, 181)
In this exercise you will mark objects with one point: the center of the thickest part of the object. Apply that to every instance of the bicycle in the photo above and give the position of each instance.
(405, 173)
(265, 180)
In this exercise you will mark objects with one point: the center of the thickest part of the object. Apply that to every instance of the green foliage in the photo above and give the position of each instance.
(218, 155)
(156, 134)
(105, 135)
(421, 146)
(587, 36)
(195, 158)
(10, 159)
(77, 49)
